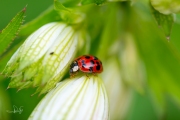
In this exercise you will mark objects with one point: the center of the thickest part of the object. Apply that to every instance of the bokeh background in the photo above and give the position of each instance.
(160, 97)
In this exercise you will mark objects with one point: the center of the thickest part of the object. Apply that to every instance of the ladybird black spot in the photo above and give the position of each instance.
(87, 57)
(51, 53)
(92, 62)
(95, 58)
(98, 67)
(97, 62)
(91, 69)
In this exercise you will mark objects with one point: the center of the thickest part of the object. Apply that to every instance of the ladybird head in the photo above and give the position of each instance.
(74, 67)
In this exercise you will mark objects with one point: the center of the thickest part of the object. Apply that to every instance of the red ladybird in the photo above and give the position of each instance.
(86, 64)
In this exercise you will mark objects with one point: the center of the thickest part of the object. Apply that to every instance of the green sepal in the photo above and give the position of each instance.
(9, 33)
(70, 16)
(59, 7)
(165, 22)
(44, 88)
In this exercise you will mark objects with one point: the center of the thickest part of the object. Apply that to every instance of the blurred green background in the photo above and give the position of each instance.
(161, 59)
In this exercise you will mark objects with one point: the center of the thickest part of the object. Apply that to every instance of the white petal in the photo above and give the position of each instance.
(39, 42)
(81, 98)
(63, 50)
(14, 58)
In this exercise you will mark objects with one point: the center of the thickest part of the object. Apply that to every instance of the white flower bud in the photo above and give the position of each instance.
(80, 98)
(43, 57)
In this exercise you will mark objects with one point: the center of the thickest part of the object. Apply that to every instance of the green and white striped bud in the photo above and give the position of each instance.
(166, 6)
(79, 98)
(43, 58)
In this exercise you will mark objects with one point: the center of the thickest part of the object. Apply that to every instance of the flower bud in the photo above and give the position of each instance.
(79, 98)
(166, 6)
(43, 58)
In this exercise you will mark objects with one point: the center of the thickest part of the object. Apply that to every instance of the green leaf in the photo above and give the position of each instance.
(161, 60)
(9, 33)
(97, 2)
(165, 22)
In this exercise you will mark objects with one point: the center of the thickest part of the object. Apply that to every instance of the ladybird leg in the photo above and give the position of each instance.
(72, 75)
(94, 74)
(87, 76)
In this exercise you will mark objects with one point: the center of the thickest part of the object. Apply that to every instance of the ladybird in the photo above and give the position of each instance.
(86, 64)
